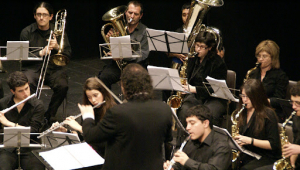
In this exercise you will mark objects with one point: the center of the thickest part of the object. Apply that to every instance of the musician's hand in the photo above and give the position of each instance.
(182, 57)
(86, 110)
(180, 157)
(60, 129)
(111, 33)
(243, 140)
(44, 51)
(53, 43)
(3, 119)
(189, 88)
(73, 123)
(167, 164)
(290, 149)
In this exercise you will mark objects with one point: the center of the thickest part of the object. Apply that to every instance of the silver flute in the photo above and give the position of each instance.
(172, 162)
(17, 104)
(62, 123)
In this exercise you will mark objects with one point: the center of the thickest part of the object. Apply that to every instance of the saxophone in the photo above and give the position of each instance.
(234, 133)
(257, 64)
(284, 163)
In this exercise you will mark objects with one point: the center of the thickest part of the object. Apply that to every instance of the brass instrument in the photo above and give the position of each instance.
(257, 64)
(119, 24)
(60, 59)
(234, 133)
(284, 163)
(62, 123)
(197, 10)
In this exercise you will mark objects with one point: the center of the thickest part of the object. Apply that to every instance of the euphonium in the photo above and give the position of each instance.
(284, 163)
(118, 23)
(251, 70)
(234, 133)
(59, 30)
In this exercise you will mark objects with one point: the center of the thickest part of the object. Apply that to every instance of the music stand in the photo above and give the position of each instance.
(167, 41)
(165, 78)
(57, 139)
(16, 137)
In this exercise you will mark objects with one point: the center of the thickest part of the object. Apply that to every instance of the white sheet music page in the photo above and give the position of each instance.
(72, 157)
(157, 40)
(177, 42)
(11, 136)
(220, 89)
(120, 47)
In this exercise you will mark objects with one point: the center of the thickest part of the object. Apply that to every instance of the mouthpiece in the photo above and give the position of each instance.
(129, 21)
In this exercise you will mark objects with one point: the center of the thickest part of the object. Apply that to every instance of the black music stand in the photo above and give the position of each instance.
(167, 41)
(57, 139)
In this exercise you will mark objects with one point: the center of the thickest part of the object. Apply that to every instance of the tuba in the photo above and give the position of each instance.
(284, 163)
(234, 133)
(197, 10)
(60, 59)
(118, 22)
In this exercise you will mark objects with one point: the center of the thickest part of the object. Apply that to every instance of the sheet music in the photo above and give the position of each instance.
(220, 89)
(175, 42)
(11, 136)
(165, 78)
(121, 47)
(72, 157)
(158, 38)
(17, 50)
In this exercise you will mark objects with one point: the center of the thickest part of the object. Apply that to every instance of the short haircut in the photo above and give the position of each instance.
(136, 4)
(208, 39)
(136, 82)
(45, 5)
(295, 90)
(271, 48)
(201, 112)
(16, 79)
(186, 6)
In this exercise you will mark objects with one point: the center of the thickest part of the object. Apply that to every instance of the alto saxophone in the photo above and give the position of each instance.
(234, 133)
(284, 163)
(251, 70)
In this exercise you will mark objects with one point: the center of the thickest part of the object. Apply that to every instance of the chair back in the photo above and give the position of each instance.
(231, 80)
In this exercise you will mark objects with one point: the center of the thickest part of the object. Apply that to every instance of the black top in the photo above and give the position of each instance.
(135, 132)
(270, 132)
(213, 153)
(212, 66)
(32, 113)
(275, 82)
(38, 38)
(296, 135)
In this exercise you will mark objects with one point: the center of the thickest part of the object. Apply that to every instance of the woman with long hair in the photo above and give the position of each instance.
(258, 126)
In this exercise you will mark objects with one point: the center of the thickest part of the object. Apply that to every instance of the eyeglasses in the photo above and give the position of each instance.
(244, 96)
(262, 56)
(201, 47)
(297, 103)
(40, 14)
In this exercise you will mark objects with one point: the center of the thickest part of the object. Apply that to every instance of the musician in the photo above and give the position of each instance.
(258, 126)
(206, 63)
(274, 80)
(207, 149)
(93, 94)
(30, 113)
(37, 34)
(111, 73)
(293, 150)
(134, 131)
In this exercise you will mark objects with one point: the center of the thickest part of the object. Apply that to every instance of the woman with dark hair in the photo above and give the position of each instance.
(258, 126)
(93, 94)
(274, 80)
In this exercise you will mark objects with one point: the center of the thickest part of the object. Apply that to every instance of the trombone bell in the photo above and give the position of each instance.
(60, 59)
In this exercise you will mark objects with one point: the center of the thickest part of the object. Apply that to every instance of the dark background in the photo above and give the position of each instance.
(243, 23)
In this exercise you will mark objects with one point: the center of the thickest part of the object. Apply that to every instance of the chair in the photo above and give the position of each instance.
(231, 80)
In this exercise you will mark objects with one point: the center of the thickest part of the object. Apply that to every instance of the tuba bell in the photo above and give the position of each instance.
(60, 59)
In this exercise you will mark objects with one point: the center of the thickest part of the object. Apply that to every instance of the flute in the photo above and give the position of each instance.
(17, 104)
(62, 123)
(172, 162)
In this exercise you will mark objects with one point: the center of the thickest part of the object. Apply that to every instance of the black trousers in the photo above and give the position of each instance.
(57, 80)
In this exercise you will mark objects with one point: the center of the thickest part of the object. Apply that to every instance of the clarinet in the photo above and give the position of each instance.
(62, 123)
(172, 162)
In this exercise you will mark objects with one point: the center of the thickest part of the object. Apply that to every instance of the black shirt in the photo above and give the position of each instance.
(38, 38)
(270, 132)
(213, 153)
(212, 66)
(32, 113)
(296, 135)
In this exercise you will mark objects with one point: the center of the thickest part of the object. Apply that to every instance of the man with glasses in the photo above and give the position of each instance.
(205, 63)
(56, 77)
(293, 150)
